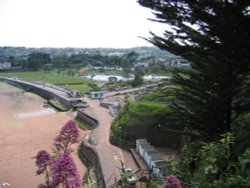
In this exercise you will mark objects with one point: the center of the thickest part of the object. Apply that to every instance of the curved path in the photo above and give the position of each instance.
(109, 155)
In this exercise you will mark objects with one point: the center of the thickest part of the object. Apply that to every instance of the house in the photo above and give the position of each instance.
(5, 65)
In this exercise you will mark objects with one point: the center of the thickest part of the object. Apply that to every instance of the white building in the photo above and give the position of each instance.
(5, 65)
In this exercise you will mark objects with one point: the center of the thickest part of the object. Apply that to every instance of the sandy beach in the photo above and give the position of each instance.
(25, 128)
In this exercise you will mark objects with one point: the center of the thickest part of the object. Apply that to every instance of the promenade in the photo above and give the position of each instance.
(109, 155)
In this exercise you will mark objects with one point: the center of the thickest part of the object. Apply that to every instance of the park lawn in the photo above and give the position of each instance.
(83, 88)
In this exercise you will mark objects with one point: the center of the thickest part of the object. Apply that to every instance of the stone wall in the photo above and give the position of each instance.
(48, 95)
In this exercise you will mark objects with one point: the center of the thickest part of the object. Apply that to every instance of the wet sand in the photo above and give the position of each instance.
(25, 128)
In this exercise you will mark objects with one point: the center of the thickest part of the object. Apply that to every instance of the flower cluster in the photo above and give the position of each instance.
(64, 171)
(43, 160)
(69, 134)
(172, 182)
(60, 169)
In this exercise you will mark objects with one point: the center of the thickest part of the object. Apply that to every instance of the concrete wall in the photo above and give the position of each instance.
(88, 119)
(48, 95)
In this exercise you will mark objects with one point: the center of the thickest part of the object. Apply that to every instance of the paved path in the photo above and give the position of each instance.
(109, 155)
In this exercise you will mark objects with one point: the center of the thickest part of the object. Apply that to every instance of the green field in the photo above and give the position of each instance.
(70, 83)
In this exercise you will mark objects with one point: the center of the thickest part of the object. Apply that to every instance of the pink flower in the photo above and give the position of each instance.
(43, 160)
(172, 182)
(64, 172)
(69, 134)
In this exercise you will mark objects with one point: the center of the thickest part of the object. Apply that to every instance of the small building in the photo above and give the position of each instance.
(5, 65)
(96, 95)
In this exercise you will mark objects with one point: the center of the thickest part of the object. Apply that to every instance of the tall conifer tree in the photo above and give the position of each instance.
(214, 36)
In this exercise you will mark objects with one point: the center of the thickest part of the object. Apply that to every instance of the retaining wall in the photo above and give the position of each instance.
(88, 119)
(48, 95)
(88, 151)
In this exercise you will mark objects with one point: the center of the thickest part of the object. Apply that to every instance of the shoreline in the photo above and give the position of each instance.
(22, 138)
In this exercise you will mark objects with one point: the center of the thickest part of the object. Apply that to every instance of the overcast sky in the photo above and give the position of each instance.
(75, 23)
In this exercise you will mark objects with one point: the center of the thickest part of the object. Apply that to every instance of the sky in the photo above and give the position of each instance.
(75, 23)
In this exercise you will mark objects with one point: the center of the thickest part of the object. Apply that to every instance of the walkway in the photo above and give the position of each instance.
(109, 155)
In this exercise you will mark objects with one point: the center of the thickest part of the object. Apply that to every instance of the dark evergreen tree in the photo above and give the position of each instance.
(214, 36)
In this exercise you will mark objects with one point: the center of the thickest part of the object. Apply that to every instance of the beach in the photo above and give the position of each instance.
(25, 128)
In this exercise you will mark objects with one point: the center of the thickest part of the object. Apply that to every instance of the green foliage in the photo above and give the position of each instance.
(214, 92)
(138, 80)
(214, 166)
(160, 95)
(215, 156)
(139, 108)
(147, 108)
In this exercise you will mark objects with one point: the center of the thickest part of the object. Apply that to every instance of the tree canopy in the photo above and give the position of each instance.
(213, 35)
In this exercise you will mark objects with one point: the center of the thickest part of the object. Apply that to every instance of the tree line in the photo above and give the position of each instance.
(37, 60)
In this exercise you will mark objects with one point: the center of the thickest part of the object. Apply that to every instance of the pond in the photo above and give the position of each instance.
(105, 77)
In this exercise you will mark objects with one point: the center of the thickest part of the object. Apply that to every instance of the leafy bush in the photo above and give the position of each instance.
(214, 166)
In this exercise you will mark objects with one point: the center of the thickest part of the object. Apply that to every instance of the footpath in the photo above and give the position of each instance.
(110, 155)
